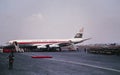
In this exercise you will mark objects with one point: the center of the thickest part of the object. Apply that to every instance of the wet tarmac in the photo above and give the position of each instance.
(62, 63)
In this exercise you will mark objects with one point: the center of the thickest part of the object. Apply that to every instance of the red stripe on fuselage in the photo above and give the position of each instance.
(51, 42)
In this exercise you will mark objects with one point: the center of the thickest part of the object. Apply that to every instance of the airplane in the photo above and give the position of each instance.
(51, 43)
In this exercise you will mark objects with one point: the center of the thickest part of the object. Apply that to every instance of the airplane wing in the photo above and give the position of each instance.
(82, 41)
(72, 42)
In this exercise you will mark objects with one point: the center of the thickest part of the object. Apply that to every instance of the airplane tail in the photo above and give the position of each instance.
(80, 33)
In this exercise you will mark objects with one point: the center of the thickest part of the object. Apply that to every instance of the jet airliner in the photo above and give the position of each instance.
(48, 43)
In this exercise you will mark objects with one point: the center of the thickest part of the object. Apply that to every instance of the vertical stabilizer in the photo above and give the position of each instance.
(79, 34)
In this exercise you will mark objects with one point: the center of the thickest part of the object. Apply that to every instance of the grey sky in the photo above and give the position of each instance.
(50, 19)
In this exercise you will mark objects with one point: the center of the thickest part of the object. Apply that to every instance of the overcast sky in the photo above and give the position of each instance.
(55, 19)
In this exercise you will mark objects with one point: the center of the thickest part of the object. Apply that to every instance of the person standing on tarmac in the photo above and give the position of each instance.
(11, 60)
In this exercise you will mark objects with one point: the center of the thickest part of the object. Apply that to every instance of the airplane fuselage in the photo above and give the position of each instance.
(45, 41)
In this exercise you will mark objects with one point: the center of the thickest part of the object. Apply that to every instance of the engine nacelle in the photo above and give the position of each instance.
(54, 45)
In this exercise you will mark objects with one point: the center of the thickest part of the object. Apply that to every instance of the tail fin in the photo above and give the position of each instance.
(80, 33)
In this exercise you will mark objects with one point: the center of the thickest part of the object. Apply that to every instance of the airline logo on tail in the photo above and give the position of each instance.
(79, 34)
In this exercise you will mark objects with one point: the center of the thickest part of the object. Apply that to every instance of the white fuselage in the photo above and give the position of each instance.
(45, 41)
